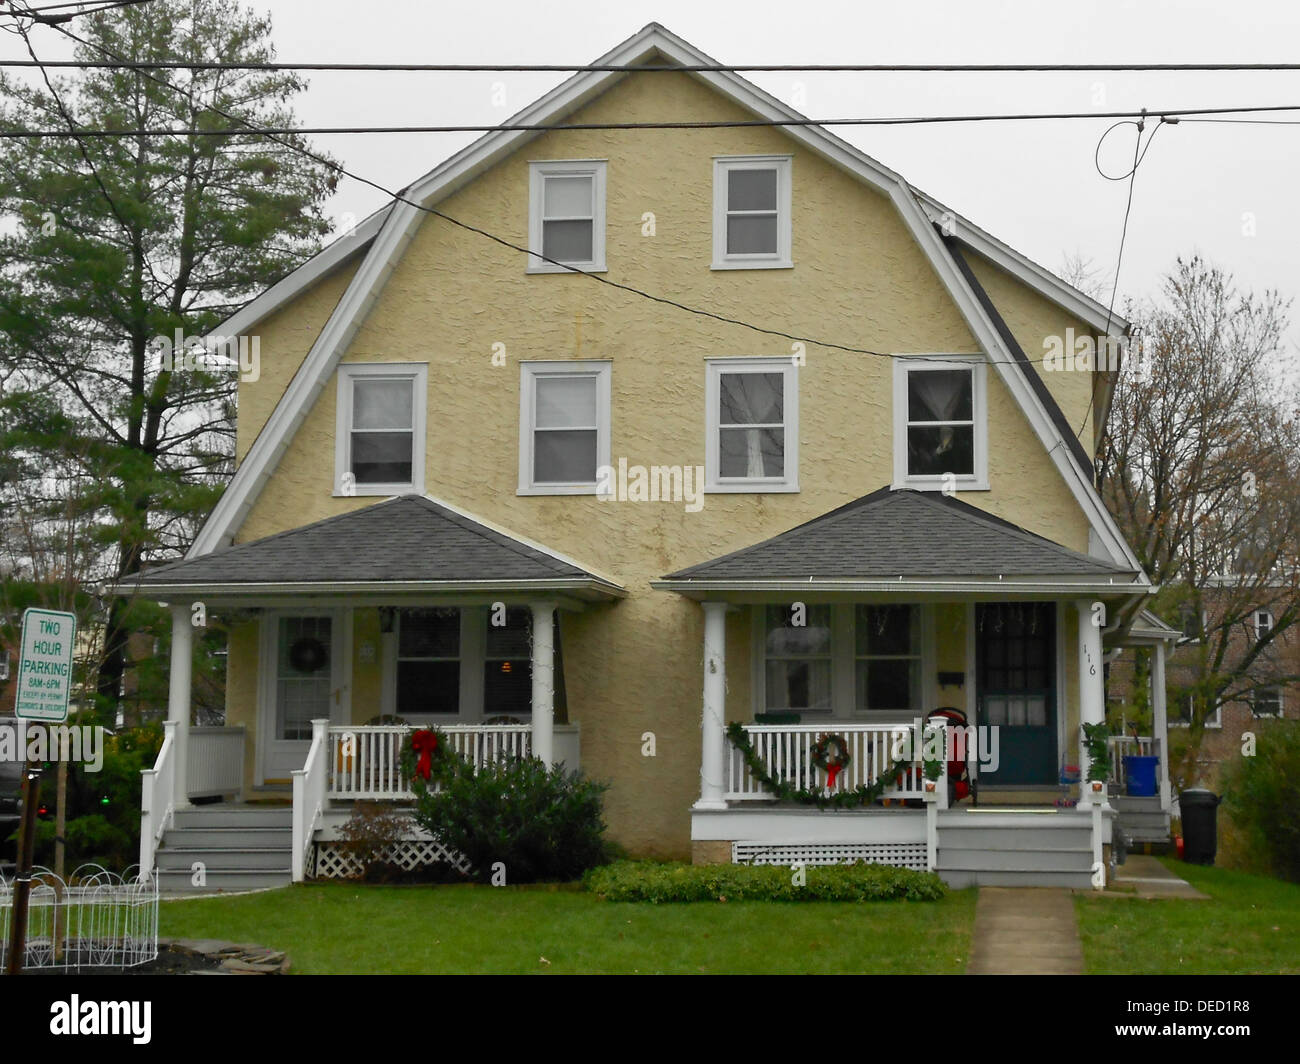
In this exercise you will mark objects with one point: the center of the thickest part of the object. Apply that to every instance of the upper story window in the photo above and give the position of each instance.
(563, 426)
(753, 425)
(1181, 709)
(751, 213)
(1267, 702)
(940, 424)
(566, 216)
(380, 429)
(1263, 623)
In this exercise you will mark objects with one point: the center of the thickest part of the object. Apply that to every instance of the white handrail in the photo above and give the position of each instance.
(364, 760)
(309, 799)
(786, 753)
(157, 799)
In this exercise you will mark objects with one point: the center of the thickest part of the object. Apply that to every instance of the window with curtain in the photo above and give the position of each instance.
(798, 660)
(565, 432)
(752, 424)
(428, 661)
(887, 657)
(383, 430)
(567, 216)
(940, 422)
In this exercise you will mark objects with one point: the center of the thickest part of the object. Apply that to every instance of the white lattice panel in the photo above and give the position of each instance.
(333, 861)
(902, 854)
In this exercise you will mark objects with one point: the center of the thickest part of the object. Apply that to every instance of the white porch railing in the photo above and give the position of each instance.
(1122, 746)
(216, 761)
(786, 754)
(309, 786)
(157, 799)
(365, 760)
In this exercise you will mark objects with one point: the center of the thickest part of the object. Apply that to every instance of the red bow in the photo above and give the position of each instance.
(424, 743)
(832, 770)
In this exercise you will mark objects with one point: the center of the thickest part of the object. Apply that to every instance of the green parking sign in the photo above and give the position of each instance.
(45, 665)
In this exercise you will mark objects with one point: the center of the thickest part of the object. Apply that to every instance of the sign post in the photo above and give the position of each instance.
(44, 681)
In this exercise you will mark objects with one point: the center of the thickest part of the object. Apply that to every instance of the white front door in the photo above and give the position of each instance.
(302, 679)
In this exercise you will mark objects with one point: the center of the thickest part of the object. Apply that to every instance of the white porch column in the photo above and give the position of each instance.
(713, 754)
(178, 697)
(544, 681)
(1160, 720)
(1092, 691)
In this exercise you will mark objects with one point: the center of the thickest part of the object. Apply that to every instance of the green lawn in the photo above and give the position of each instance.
(1252, 924)
(363, 929)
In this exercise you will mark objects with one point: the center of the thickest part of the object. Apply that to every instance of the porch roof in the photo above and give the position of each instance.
(907, 540)
(409, 544)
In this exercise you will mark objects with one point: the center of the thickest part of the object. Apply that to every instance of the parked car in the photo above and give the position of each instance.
(11, 781)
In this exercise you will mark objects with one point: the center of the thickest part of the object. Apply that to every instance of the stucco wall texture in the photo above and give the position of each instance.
(858, 279)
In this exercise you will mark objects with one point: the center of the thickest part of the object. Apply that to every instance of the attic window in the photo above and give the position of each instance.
(566, 216)
(940, 424)
(380, 429)
(751, 213)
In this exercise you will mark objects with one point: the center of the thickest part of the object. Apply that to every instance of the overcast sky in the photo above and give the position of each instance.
(1033, 185)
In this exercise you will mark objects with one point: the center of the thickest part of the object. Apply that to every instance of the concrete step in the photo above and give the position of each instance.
(1047, 860)
(234, 816)
(216, 880)
(1015, 877)
(229, 860)
(1027, 837)
(250, 838)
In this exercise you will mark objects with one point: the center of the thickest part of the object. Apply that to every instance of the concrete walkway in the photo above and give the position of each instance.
(1025, 931)
(1148, 878)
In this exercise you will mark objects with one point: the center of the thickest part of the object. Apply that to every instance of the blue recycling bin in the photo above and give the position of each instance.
(1140, 771)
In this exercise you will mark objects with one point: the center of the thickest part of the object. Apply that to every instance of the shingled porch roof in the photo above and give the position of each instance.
(408, 544)
(906, 540)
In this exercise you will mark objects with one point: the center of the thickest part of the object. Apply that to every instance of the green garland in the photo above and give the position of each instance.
(863, 794)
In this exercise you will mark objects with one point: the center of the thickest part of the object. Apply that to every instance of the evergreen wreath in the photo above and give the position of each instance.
(308, 654)
(830, 753)
(863, 794)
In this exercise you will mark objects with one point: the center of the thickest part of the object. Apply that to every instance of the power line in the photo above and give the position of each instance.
(399, 197)
(698, 68)
(1172, 114)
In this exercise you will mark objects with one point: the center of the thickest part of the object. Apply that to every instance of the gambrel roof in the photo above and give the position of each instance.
(384, 237)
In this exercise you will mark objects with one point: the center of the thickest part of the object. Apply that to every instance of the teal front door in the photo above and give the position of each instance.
(1015, 669)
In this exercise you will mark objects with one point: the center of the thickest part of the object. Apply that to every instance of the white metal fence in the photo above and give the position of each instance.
(94, 919)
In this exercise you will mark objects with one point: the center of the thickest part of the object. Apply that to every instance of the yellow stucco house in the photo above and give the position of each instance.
(703, 459)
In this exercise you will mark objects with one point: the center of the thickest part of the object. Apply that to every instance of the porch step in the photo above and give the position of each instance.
(958, 878)
(1030, 848)
(1042, 859)
(219, 880)
(239, 847)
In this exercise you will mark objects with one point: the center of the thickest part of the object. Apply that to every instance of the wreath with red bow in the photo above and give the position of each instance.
(830, 753)
(423, 744)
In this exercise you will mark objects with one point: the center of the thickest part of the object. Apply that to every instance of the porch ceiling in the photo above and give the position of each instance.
(907, 541)
(405, 547)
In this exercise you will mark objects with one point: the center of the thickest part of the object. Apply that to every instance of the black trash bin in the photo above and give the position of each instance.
(1200, 812)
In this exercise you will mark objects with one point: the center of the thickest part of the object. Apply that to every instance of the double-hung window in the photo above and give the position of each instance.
(797, 659)
(753, 425)
(940, 424)
(1263, 623)
(379, 429)
(566, 216)
(428, 662)
(564, 426)
(1267, 702)
(751, 212)
(887, 657)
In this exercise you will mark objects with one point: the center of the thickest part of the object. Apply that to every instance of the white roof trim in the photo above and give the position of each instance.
(1057, 587)
(402, 219)
(285, 290)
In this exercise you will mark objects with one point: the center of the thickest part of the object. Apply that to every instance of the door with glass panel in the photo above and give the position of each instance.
(1016, 681)
(303, 688)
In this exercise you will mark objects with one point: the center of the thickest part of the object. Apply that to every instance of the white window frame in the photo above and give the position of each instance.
(904, 365)
(418, 374)
(529, 372)
(1214, 720)
(4, 665)
(538, 173)
(1262, 628)
(779, 260)
(714, 368)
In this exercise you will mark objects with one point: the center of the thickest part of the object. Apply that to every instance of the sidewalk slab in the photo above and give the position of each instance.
(1025, 931)
(1149, 878)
